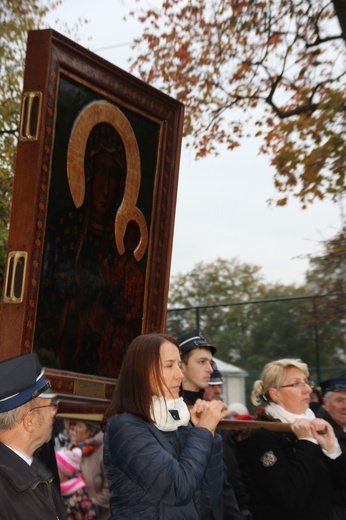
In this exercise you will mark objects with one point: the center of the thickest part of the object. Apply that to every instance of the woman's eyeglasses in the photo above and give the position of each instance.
(299, 384)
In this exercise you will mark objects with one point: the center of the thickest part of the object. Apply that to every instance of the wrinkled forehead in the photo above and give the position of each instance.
(336, 396)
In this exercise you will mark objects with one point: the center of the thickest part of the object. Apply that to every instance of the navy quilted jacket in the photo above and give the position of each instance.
(161, 475)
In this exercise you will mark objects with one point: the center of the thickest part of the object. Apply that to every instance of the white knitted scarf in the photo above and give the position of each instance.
(169, 414)
(278, 412)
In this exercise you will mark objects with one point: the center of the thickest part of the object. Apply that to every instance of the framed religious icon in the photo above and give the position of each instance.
(92, 216)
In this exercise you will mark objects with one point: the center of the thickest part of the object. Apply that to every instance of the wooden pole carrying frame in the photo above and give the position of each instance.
(229, 424)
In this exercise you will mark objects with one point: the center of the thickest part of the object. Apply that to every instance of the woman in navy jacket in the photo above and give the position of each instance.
(157, 464)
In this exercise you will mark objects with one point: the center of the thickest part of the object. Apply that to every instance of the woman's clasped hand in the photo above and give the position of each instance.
(208, 414)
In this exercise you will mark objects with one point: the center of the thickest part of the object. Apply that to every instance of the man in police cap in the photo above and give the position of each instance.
(196, 354)
(334, 411)
(213, 392)
(197, 366)
(26, 421)
(334, 406)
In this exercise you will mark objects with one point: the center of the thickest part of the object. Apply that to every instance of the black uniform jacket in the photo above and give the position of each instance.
(288, 478)
(339, 495)
(26, 493)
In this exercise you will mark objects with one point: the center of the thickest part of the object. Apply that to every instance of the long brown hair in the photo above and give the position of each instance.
(140, 377)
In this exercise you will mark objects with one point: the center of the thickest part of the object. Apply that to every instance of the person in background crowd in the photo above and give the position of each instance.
(73, 489)
(214, 391)
(157, 464)
(197, 367)
(334, 406)
(334, 411)
(292, 473)
(239, 412)
(60, 435)
(26, 421)
(87, 436)
(316, 400)
(214, 388)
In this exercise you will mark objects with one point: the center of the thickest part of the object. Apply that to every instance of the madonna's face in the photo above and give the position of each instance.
(104, 182)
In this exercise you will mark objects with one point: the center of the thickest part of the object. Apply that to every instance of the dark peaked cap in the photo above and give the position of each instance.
(336, 384)
(194, 340)
(21, 379)
(215, 377)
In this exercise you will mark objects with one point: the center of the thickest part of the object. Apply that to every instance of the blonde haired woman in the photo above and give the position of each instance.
(291, 474)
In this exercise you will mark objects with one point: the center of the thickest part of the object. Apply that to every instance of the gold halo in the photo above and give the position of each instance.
(93, 114)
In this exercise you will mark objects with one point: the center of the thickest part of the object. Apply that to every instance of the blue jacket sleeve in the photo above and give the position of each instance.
(147, 459)
(213, 480)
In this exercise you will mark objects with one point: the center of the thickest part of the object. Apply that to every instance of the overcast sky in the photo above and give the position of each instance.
(222, 208)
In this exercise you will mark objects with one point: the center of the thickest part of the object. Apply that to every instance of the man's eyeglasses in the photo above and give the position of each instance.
(299, 384)
(53, 407)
